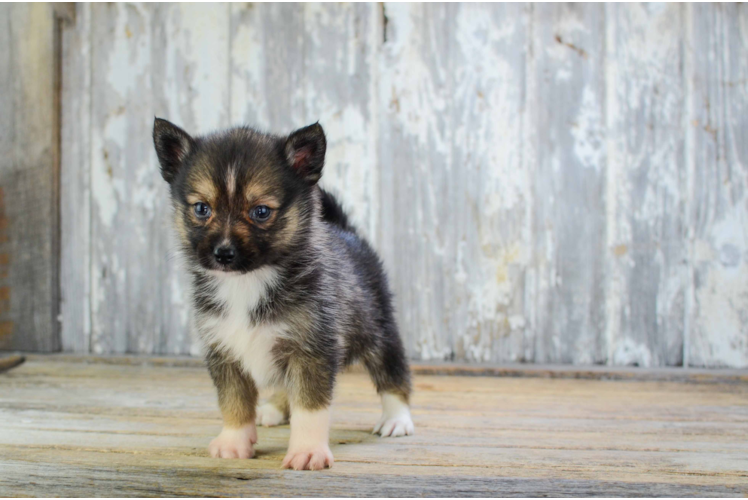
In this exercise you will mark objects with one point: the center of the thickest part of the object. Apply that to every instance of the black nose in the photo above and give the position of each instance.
(224, 254)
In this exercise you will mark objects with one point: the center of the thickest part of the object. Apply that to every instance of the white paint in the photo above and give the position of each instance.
(343, 40)
(421, 107)
(395, 420)
(248, 73)
(123, 78)
(629, 352)
(721, 327)
(587, 131)
(451, 97)
(107, 190)
(197, 66)
(348, 162)
(308, 447)
(250, 344)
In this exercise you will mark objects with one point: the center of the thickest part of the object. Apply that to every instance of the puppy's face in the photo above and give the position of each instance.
(241, 198)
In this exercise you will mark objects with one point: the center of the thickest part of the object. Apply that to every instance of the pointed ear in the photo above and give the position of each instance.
(173, 145)
(305, 150)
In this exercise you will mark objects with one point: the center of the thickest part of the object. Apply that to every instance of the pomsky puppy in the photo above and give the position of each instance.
(285, 291)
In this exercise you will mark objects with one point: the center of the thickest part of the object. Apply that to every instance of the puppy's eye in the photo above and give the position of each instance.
(260, 213)
(202, 210)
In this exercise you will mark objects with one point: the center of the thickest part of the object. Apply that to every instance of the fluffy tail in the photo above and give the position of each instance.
(333, 212)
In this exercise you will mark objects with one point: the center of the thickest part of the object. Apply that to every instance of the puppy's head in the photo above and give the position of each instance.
(241, 198)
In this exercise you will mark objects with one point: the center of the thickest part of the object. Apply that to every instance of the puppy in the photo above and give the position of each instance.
(285, 291)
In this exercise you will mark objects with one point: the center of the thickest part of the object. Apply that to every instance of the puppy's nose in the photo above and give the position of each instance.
(224, 254)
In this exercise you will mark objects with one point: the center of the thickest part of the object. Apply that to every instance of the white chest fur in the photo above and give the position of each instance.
(248, 343)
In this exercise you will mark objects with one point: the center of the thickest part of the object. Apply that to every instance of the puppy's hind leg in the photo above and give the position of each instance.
(389, 370)
(275, 411)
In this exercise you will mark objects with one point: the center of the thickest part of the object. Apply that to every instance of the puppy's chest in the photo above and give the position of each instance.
(249, 343)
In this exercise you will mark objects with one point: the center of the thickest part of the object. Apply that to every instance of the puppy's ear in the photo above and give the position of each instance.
(305, 150)
(173, 145)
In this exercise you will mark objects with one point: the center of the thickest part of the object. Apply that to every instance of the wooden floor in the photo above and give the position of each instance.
(95, 429)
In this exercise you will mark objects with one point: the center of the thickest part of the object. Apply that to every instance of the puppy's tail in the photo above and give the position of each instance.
(332, 211)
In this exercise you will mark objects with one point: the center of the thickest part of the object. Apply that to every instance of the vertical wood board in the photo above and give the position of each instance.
(28, 178)
(718, 320)
(569, 190)
(646, 249)
(75, 188)
(545, 183)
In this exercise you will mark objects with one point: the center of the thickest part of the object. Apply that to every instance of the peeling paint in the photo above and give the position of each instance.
(531, 176)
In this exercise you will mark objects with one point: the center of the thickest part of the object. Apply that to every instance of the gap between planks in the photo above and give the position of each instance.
(593, 372)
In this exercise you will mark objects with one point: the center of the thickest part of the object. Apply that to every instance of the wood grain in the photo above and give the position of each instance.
(136, 430)
(522, 370)
(489, 243)
(75, 184)
(646, 247)
(164, 60)
(569, 183)
(545, 183)
(29, 182)
(718, 182)
(415, 95)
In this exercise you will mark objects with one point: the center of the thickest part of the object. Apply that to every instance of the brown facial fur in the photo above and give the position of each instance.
(233, 176)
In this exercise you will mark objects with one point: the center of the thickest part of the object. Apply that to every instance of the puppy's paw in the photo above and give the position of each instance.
(234, 443)
(269, 415)
(395, 419)
(308, 458)
(400, 425)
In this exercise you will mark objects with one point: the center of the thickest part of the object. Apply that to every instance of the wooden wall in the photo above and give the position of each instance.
(29, 180)
(546, 183)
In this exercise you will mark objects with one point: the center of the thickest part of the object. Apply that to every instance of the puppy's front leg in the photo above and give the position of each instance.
(309, 447)
(311, 381)
(237, 398)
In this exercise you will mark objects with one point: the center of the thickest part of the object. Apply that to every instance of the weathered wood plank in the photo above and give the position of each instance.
(415, 103)
(75, 187)
(267, 87)
(595, 372)
(488, 192)
(29, 168)
(557, 371)
(522, 169)
(340, 44)
(80, 429)
(169, 60)
(646, 249)
(569, 183)
(121, 111)
(718, 181)
(133, 479)
(191, 86)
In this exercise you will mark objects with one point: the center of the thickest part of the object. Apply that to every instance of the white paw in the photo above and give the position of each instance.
(308, 458)
(268, 415)
(401, 425)
(308, 448)
(234, 443)
(395, 420)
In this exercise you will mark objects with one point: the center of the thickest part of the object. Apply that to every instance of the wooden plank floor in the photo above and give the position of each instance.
(78, 429)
